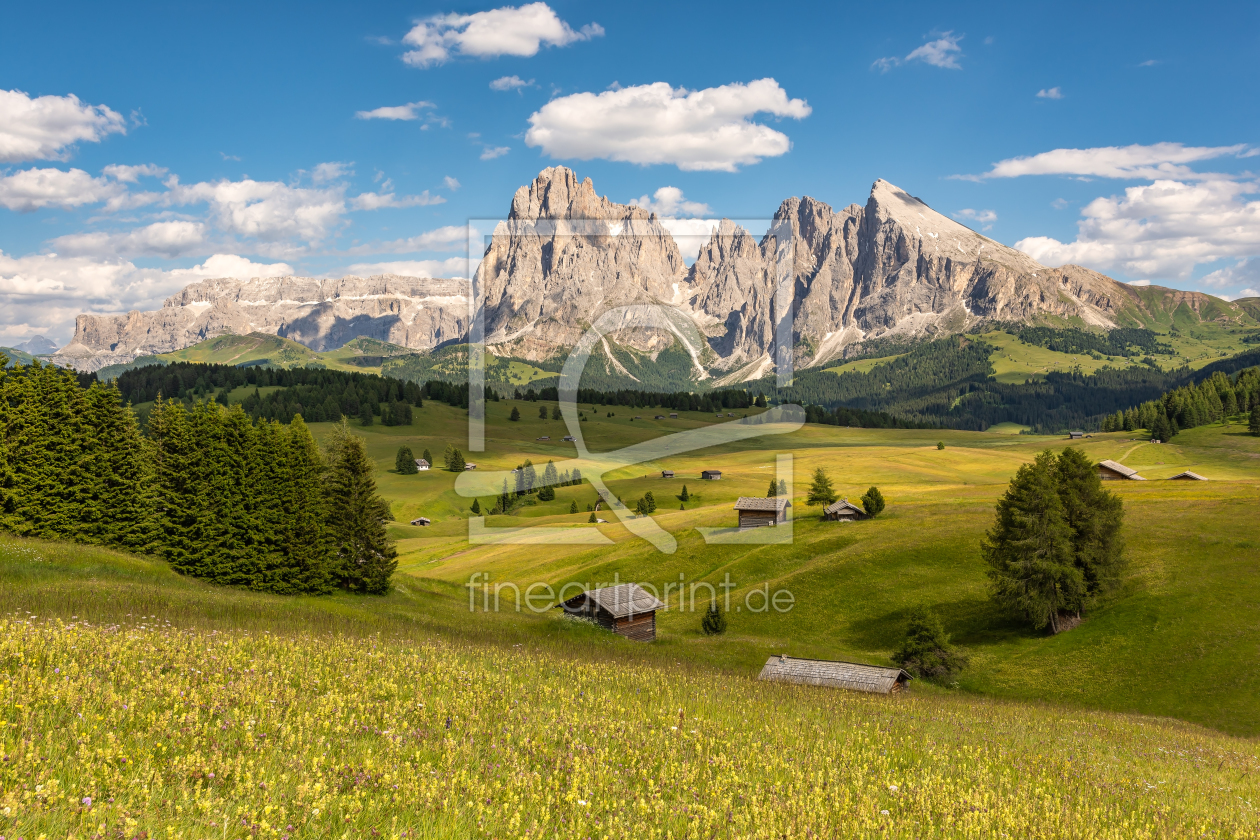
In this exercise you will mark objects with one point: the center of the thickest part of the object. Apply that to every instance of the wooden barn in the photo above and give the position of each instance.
(422, 521)
(626, 609)
(873, 679)
(1075, 435)
(667, 473)
(760, 512)
(843, 511)
(1187, 476)
(1113, 471)
(710, 475)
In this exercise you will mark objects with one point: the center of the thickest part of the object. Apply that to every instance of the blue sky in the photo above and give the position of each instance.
(145, 147)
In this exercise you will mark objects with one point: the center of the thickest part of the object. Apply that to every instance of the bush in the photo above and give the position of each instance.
(926, 652)
(714, 621)
(873, 502)
(940, 444)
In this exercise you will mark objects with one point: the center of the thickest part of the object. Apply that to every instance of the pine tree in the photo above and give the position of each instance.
(1162, 429)
(365, 557)
(476, 507)
(1253, 424)
(175, 480)
(405, 462)
(458, 464)
(821, 491)
(268, 483)
(542, 412)
(428, 456)
(593, 520)
(573, 508)
(783, 487)
(1029, 548)
(529, 477)
(873, 502)
(641, 508)
(550, 478)
(365, 415)
(515, 415)
(774, 489)
(684, 495)
(555, 412)
(303, 535)
(714, 621)
(576, 478)
(1094, 516)
(651, 501)
(926, 651)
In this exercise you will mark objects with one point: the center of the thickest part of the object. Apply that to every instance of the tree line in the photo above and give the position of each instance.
(219, 495)
(1216, 397)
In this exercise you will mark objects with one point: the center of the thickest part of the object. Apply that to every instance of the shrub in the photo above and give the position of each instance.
(873, 502)
(926, 651)
(714, 621)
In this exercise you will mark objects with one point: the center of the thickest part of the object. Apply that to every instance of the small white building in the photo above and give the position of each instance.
(422, 464)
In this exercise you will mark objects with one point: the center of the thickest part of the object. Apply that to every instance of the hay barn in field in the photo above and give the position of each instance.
(626, 609)
(760, 512)
(843, 511)
(872, 679)
(667, 473)
(711, 475)
(1113, 471)
(1187, 476)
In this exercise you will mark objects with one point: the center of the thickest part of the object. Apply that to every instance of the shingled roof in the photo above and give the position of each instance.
(620, 601)
(833, 674)
(761, 503)
(836, 507)
(1187, 476)
(1127, 472)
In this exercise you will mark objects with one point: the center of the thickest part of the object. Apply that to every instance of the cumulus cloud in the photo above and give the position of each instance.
(492, 152)
(706, 129)
(330, 171)
(983, 217)
(266, 210)
(133, 174)
(451, 183)
(1245, 293)
(519, 31)
(32, 189)
(943, 52)
(46, 127)
(232, 265)
(446, 238)
(410, 111)
(1163, 229)
(669, 201)
(377, 201)
(1240, 273)
(1158, 160)
(1050, 93)
(164, 239)
(690, 235)
(510, 83)
(453, 267)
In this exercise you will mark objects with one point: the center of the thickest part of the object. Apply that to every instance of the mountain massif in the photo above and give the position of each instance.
(892, 268)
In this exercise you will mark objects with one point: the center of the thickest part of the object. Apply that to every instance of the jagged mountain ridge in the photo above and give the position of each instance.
(565, 256)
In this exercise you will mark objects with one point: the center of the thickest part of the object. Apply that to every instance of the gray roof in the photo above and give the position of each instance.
(836, 507)
(1127, 472)
(850, 675)
(420, 462)
(621, 600)
(1193, 476)
(761, 503)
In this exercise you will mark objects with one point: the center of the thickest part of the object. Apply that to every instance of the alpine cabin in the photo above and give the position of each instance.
(1113, 471)
(761, 512)
(710, 475)
(422, 464)
(843, 511)
(873, 679)
(1187, 476)
(626, 609)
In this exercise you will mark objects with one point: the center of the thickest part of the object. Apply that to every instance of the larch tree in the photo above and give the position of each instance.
(821, 491)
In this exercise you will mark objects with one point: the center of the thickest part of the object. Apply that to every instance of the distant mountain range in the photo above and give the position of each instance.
(892, 269)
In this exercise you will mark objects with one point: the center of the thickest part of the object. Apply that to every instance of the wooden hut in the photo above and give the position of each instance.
(1187, 476)
(422, 521)
(673, 415)
(843, 511)
(667, 473)
(1075, 435)
(760, 512)
(873, 679)
(710, 475)
(626, 609)
(1113, 471)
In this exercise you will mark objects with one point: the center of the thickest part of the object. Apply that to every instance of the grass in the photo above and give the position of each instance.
(137, 703)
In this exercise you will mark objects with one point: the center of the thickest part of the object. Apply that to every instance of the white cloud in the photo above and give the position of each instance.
(1246, 293)
(1163, 229)
(705, 129)
(453, 267)
(690, 235)
(447, 238)
(669, 201)
(510, 83)
(166, 239)
(492, 152)
(1139, 282)
(330, 171)
(1158, 160)
(45, 127)
(232, 265)
(132, 174)
(1060, 204)
(377, 201)
(1051, 93)
(983, 217)
(1150, 62)
(267, 210)
(32, 189)
(1238, 274)
(885, 64)
(519, 31)
(943, 52)
(451, 183)
(410, 111)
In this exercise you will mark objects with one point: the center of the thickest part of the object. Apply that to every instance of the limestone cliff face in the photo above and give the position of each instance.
(322, 314)
(564, 257)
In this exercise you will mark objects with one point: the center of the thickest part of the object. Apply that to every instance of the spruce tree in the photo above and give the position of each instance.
(714, 621)
(428, 456)
(1094, 516)
(774, 489)
(593, 520)
(458, 464)
(926, 651)
(684, 496)
(1253, 424)
(505, 499)
(549, 475)
(365, 415)
(873, 502)
(1029, 548)
(476, 507)
(364, 556)
(821, 491)
(175, 479)
(1162, 428)
(405, 462)
(651, 501)
(268, 484)
(783, 487)
(542, 412)
(573, 508)
(515, 415)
